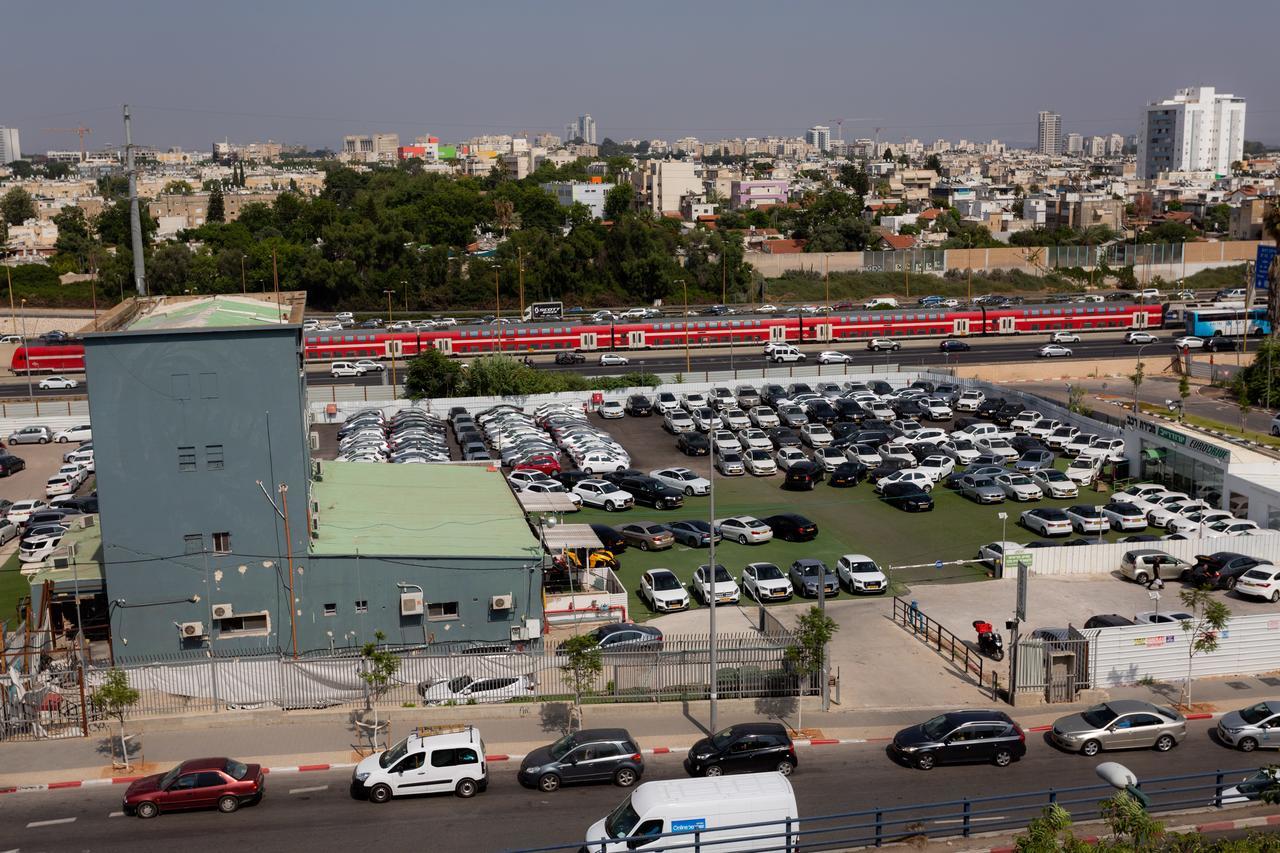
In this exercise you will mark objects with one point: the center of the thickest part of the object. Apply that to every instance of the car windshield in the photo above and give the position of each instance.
(1099, 716)
(722, 738)
(863, 567)
(392, 755)
(168, 778)
(811, 570)
(937, 727)
(621, 820)
(235, 769)
(768, 572)
(1256, 714)
(722, 575)
(665, 581)
(561, 748)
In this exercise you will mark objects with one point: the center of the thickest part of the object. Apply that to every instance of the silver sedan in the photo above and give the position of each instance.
(1120, 724)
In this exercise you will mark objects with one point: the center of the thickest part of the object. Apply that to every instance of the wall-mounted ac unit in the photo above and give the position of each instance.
(223, 611)
(411, 604)
(315, 524)
(88, 520)
(191, 630)
(315, 445)
(501, 602)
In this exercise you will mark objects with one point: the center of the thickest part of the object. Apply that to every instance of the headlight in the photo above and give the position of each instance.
(1233, 731)
(908, 748)
(702, 756)
(360, 777)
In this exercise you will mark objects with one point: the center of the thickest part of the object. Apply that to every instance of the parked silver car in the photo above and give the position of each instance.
(31, 435)
(1120, 724)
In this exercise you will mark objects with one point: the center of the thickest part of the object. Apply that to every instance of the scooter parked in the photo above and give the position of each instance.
(990, 643)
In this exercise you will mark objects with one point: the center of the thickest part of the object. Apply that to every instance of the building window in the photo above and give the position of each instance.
(186, 459)
(331, 608)
(213, 457)
(209, 386)
(245, 625)
(362, 606)
(222, 543)
(442, 610)
(193, 542)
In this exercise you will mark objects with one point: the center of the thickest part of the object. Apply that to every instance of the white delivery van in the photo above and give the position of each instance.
(431, 760)
(881, 302)
(719, 809)
(785, 353)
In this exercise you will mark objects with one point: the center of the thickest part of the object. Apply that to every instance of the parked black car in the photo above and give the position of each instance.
(610, 538)
(847, 474)
(783, 437)
(650, 492)
(960, 737)
(639, 406)
(909, 408)
(771, 394)
(803, 475)
(86, 503)
(1220, 570)
(10, 464)
(570, 357)
(887, 467)
(616, 477)
(1006, 413)
(820, 411)
(849, 410)
(1026, 443)
(791, 527)
(589, 755)
(743, 748)
(990, 406)
(907, 496)
(693, 443)
(572, 477)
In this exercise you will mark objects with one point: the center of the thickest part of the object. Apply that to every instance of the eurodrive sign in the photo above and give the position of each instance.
(1187, 441)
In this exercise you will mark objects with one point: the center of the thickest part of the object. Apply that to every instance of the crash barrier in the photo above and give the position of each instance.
(674, 668)
(910, 616)
(875, 827)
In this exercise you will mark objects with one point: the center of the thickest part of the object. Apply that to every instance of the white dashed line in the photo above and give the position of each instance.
(308, 790)
(116, 814)
(36, 823)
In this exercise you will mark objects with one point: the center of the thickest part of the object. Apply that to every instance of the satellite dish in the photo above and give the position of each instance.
(1116, 775)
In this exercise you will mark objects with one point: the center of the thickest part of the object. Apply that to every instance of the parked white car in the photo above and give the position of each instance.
(906, 475)
(859, 573)
(766, 582)
(1261, 581)
(759, 462)
(937, 466)
(677, 421)
(1019, 487)
(663, 591)
(683, 479)
(60, 484)
(744, 529)
(465, 690)
(816, 435)
(612, 409)
(764, 417)
(755, 439)
(1083, 470)
(832, 357)
(603, 494)
(1106, 449)
(994, 553)
(1056, 484)
(81, 433)
(788, 456)
(724, 588)
(969, 401)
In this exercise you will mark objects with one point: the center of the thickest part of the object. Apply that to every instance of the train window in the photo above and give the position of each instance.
(349, 338)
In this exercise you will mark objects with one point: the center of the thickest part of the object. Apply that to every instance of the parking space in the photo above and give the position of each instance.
(42, 461)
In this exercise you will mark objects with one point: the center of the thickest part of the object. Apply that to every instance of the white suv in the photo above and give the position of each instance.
(425, 764)
(603, 494)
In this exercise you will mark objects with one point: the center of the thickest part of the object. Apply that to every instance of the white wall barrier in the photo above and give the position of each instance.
(1126, 655)
(1105, 558)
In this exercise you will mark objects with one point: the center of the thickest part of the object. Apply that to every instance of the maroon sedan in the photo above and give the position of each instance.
(197, 784)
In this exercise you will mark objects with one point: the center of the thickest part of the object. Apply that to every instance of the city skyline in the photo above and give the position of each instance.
(292, 78)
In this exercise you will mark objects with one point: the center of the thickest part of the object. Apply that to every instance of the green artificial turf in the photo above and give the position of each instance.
(13, 588)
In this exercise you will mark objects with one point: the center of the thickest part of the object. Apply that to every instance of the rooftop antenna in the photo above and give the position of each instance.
(135, 221)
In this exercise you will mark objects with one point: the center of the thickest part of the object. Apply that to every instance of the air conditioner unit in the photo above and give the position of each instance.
(315, 445)
(88, 521)
(191, 630)
(500, 602)
(315, 524)
(411, 604)
(223, 611)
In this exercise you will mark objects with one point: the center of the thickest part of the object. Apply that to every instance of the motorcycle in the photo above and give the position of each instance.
(990, 643)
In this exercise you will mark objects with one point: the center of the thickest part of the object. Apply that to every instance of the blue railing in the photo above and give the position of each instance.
(964, 817)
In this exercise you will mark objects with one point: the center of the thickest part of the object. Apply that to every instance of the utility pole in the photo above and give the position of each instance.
(687, 363)
(288, 543)
(711, 559)
(520, 276)
(497, 307)
(244, 286)
(135, 222)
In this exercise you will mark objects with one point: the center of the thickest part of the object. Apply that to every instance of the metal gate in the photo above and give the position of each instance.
(587, 341)
(636, 340)
(1056, 667)
(960, 326)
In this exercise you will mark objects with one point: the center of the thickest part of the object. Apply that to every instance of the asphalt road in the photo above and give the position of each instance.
(313, 811)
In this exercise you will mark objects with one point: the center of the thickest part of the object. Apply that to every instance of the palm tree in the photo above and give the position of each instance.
(505, 216)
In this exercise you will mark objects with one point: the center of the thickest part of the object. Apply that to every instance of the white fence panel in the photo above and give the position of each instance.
(1127, 655)
(1104, 559)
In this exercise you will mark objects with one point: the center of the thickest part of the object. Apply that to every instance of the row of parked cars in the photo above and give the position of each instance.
(408, 436)
(662, 591)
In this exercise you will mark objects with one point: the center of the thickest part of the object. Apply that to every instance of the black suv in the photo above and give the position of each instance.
(589, 755)
(640, 406)
(693, 444)
(990, 406)
(821, 411)
(1006, 413)
(651, 492)
(803, 475)
(960, 737)
(743, 748)
(568, 357)
(1220, 570)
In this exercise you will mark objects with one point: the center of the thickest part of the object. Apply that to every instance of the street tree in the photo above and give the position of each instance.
(812, 633)
(432, 374)
(216, 211)
(17, 206)
(1184, 391)
(1137, 377)
(1209, 618)
(1243, 402)
(115, 698)
(378, 665)
(177, 187)
(583, 664)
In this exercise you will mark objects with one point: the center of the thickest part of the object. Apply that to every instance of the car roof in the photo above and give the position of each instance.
(759, 728)
(584, 735)
(976, 716)
(1128, 706)
(203, 764)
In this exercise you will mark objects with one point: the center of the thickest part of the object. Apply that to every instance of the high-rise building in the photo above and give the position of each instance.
(1075, 144)
(583, 130)
(1196, 130)
(1115, 145)
(1096, 147)
(819, 136)
(1049, 133)
(10, 148)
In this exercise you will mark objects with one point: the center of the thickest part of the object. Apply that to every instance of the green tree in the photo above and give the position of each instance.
(378, 665)
(177, 188)
(934, 163)
(1132, 829)
(583, 663)
(115, 698)
(618, 202)
(812, 634)
(74, 240)
(216, 211)
(1184, 391)
(1209, 618)
(17, 206)
(1243, 402)
(21, 169)
(1076, 400)
(432, 374)
(1217, 218)
(1137, 377)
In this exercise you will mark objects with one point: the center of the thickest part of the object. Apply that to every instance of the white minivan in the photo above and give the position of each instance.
(425, 763)
(726, 811)
(785, 353)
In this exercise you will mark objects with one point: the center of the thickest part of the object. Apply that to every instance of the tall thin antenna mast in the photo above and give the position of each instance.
(135, 221)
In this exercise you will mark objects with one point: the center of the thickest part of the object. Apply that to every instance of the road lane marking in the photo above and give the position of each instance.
(116, 814)
(308, 790)
(36, 823)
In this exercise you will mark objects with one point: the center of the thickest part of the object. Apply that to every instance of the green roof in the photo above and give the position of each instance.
(88, 560)
(212, 312)
(444, 509)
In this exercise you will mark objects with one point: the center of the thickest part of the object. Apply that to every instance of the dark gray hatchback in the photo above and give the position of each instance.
(590, 755)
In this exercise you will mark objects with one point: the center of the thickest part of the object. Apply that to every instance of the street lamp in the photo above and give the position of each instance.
(1004, 521)
(688, 367)
(391, 344)
(1138, 374)
(711, 563)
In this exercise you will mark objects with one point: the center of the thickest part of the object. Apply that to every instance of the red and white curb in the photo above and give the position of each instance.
(495, 757)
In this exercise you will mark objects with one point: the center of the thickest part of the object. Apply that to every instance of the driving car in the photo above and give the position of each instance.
(57, 383)
(663, 590)
(80, 432)
(222, 783)
(725, 588)
(613, 359)
(570, 357)
(1250, 728)
(1120, 724)
(1189, 342)
(695, 533)
(1019, 487)
(807, 574)
(1064, 338)
(1053, 351)
(832, 357)
(765, 582)
(743, 748)
(744, 529)
(1137, 337)
(587, 755)
(859, 573)
(953, 345)
(1047, 521)
(647, 535)
(957, 737)
(425, 763)
(791, 527)
(883, 345)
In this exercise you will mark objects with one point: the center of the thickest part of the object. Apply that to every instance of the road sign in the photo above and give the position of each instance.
(1266, 254)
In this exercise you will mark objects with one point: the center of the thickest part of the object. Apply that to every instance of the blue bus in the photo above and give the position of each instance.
(1231, 321)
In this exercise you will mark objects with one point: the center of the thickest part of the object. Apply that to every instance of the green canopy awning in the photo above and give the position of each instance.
(1155, 454)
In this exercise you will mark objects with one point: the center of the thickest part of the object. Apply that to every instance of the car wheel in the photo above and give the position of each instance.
(644, 546)
(1275, 596)
(1142, 578)
(1002, 758)
(379, 794)
(713, 771)
(62, 440)
(1164, 743)
(1231, 583)
(1090, 748)
(660, 503)
(742, 539)
(549, 782)
(466, 789)
(610, 506)
(148, 809)
(785, 767)
(44, 441)
(228, 804)
(624, 777)
(925, 762)
(688, 491)
(1247, 744)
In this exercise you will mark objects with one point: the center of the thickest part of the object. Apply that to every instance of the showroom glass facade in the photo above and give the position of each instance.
(1182, 472)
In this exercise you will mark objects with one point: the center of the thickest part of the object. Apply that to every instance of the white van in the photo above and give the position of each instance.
(881, 301)
(1275, 425)
(785, 353)
(429, 761)
(345, 368)
(719, 808)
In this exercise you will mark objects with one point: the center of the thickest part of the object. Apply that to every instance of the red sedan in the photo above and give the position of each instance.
(197, 784)
(544, 462)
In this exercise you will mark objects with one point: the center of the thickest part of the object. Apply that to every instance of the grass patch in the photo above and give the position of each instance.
(1216, 279)
(1221, 426)
(13, 588)
(809, 286)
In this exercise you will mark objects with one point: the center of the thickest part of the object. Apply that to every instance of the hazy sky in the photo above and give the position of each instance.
(309, 72)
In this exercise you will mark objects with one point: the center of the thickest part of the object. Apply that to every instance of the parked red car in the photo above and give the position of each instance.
(544, 462)
(200, 783)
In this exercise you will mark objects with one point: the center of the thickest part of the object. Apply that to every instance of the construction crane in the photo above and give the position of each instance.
(839, 128)
(82, 130)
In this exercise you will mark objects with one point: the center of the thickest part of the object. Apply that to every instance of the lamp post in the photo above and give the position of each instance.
(244, 284)
(711, 561)
(1137, 372)
(391, 345)
(688, 365)
(31, 395)
(1004, 522)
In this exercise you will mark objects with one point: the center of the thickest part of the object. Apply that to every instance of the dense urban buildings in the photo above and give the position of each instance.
(1198, 129)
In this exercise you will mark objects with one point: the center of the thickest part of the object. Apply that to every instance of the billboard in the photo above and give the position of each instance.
(1266, 256)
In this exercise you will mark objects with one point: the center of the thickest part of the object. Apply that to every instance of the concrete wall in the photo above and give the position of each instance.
(1064, 369)
(1127, 655)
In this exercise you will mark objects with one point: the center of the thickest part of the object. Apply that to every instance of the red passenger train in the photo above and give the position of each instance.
(554, 335)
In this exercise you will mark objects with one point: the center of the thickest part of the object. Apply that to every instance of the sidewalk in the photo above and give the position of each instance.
(321, 740)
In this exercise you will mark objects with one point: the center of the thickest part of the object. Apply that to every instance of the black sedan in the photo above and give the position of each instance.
(803, 475)
(791, 527)
(953, 346)
(610, 538)
(847, 474)
(907, 496)
(640, 406)
(693, 444)
(783, 437)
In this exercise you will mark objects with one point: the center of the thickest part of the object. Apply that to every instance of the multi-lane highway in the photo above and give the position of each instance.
(314, 811)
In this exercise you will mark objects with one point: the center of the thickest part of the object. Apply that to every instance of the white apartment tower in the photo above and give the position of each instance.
(10, 149)
(582, 130)
(1049, 133)
(819, 136)
(1198, 130)
(1075, 144)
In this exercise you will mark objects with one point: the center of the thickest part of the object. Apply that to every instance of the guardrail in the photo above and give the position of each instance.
(964, 817)
(934, 634)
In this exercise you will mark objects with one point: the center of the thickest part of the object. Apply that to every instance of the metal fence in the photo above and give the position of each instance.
(1057, 668)
(938, 637)
(876, 827)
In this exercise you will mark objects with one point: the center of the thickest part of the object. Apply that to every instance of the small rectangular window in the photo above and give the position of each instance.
(222, 543)
(362, 606)
(331, 608)
(186, 459)
(442, 610)
(193, 543)
(180, 384)
(245, 624)
(213, 457)
(209, 386)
